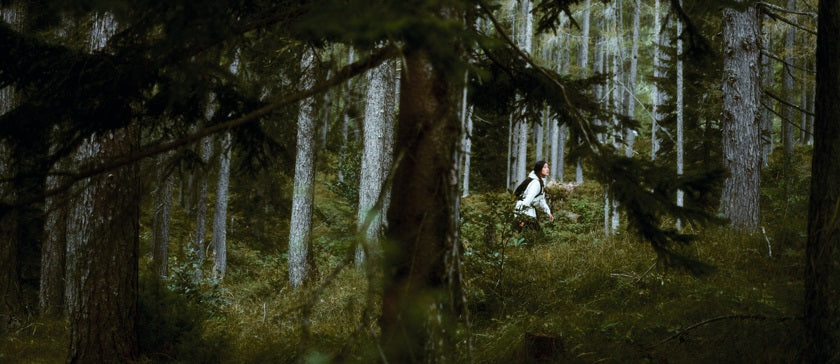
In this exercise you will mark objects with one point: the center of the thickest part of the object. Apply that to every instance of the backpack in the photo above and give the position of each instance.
(519, 192)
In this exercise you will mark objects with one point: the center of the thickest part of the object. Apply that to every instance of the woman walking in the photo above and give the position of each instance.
(534, 196)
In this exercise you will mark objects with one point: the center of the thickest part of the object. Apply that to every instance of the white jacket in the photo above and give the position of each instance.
(531, 200)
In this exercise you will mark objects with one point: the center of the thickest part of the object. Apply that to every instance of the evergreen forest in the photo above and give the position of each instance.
(334, 181)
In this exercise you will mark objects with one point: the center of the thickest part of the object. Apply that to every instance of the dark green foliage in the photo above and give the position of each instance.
(607, 301)
(347, 190)
(784, 196)
(171, 325)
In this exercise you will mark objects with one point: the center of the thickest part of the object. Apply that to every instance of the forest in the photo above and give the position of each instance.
(333, 181)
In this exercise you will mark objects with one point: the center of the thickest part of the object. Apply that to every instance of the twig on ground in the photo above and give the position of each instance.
(721, 318)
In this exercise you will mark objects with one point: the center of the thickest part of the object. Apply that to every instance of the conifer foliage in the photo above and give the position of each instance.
(160, 85)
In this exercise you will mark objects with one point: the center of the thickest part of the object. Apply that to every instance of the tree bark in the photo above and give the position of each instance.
(219, 237)
(345, 121)
(423, 255)
(822, 253)
(766, 109)
(102, 269)
(740, 117)
(657, 73)
(161, 217)
(467, 152)
(300, 240)
(201, 203)
(630, 134)
(378, 136)
(12, 305)
(53, 248)
(680, 147)
(102, 242)
(787, 84)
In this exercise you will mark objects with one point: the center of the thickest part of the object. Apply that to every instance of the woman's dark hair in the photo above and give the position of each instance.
(538, 168)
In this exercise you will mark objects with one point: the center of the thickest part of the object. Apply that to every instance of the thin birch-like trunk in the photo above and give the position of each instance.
(220, 228)
(583, 63)
(538, 139)
(525, 37)
(509, 153)
(617, 93)
(787, 84)
(522, 154)
(803, 104)
(630, 134)
(468, 151)
(680, 117)
(657, 74)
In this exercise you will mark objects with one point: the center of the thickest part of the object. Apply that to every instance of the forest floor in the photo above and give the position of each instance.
(564, 294)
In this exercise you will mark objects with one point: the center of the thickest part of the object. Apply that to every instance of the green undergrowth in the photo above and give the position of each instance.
(592, 298)
(609, 300)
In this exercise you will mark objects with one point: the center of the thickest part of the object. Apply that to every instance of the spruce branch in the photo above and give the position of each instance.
(156, 148)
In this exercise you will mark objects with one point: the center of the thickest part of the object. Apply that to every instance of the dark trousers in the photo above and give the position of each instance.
(525, 222)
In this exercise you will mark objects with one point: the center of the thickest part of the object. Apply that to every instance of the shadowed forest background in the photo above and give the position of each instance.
(252, 181)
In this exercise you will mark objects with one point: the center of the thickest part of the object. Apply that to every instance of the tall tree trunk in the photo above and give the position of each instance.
(803, 105)
(630, 134)
(201, 203)
(522, 153)
(741, 120)
(103, 238)
(424, 254)
(787, 84)
(53, 248)
(768, 79)
(657, 74)
(508, 179)
(12, 304)
(525, 42)
(610, 203)
(466, 140)
(326, 108)
(219, 237)
(102, 241)
(822, 252)
(812, 92)
(300, 240)
(378, 135)
(562, 132)
(538, 139)
(467, 152)
(583, 52)
(161, 217)
(680, 147)
(345, 124)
